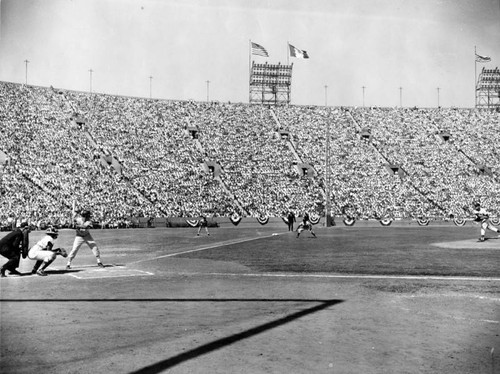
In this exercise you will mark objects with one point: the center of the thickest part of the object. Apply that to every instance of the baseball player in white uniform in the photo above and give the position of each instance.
(483, 216)
(44, 252)
(82, 226)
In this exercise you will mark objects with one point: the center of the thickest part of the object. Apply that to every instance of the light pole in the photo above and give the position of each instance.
(401, 97)
(26, 71)
(150, 86)
(208, 91)
(326, 95)
(363, 95)
(438, 95)
(91, 71)
(327, 175)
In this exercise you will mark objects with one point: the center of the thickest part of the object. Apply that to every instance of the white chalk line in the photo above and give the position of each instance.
(481, 297)
(460, 318)
(475, 320)
(346, 276)
(204, 248)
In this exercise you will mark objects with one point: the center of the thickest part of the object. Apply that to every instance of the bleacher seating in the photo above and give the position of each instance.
(55, 162)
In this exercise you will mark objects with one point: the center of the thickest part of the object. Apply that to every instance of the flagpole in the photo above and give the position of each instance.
(327, 175)
(287, 52)
(249, 67)
(475, 77)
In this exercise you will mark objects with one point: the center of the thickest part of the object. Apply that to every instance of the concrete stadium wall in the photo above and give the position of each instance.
(278, 223)
(338, 221)
(399, 223)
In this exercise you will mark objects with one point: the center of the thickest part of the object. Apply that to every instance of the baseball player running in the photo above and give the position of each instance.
(44, 252)
(82, 226)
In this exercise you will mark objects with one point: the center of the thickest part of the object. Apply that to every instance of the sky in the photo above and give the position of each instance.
(401, 51)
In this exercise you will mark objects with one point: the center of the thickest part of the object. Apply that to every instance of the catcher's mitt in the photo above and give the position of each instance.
(60, 251)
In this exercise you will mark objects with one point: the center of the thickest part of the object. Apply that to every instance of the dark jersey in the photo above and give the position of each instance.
(15, 241)
(12, 239)
(305, 219)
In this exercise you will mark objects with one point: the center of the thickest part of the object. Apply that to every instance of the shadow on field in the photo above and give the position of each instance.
(209, 347)
(221, 343)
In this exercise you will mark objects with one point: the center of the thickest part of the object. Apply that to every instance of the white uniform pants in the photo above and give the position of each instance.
(40, 255)
(487, 225)
(79, 240)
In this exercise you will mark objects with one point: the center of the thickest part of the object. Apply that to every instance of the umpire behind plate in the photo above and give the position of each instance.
(12, 246)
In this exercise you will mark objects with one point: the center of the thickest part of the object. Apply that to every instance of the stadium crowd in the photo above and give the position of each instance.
(433, 148)
(128, 157)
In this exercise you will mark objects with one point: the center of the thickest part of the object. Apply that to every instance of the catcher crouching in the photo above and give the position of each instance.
(44, 253)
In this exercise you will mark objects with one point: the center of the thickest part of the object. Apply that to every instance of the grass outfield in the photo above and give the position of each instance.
(368, 250)
(414, 251)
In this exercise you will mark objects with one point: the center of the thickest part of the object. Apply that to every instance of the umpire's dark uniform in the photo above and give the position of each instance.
(12, 246)
(291, 220)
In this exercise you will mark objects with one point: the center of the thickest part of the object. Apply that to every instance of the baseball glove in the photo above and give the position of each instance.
(60, 251)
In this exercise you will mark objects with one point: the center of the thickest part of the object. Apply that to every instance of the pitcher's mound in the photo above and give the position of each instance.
(489, 243)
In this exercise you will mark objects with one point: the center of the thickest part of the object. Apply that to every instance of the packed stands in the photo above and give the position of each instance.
(447, 172)
(126, 157)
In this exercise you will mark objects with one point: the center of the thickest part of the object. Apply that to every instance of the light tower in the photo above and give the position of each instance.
(26, 71)
(91, 71)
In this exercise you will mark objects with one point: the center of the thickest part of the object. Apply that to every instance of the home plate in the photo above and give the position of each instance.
(109, 272)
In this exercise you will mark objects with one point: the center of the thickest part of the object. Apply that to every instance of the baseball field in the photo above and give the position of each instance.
(259, 300)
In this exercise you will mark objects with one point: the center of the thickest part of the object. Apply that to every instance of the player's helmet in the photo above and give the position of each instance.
(52, 231)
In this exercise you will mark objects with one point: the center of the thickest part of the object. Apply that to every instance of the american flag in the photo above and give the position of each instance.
(480, 58)
(259, 50)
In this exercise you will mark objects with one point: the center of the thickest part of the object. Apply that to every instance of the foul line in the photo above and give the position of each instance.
(347, 276)
(204, 248)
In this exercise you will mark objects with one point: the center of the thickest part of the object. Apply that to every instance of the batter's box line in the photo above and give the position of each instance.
(96, 267)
